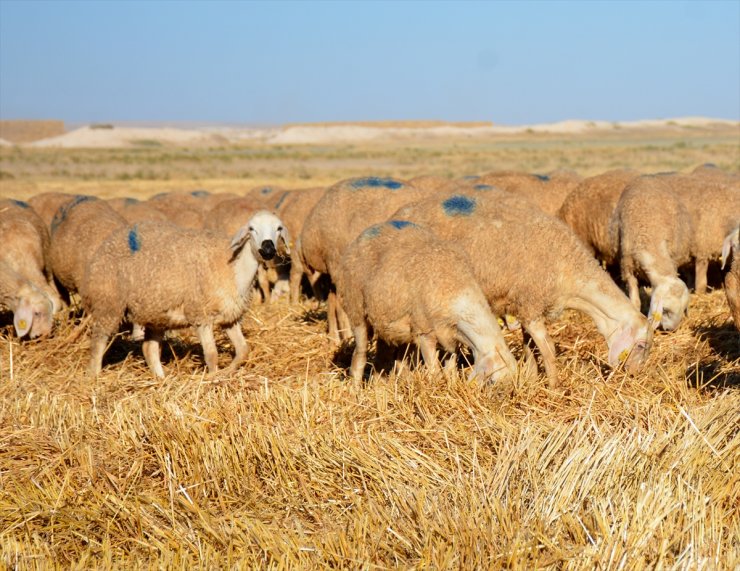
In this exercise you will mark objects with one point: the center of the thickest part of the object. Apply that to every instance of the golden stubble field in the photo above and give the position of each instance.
(286, 464)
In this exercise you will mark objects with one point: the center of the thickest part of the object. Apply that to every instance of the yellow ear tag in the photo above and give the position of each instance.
(623, 355)
(500, 321)
(657, 317)
(22, 324)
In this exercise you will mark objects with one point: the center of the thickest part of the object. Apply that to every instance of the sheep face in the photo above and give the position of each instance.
(669, 304)
(34, 314)
(631, 344)
(266, 235)
(493, 368)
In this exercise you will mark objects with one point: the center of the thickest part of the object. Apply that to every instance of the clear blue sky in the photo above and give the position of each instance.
(278, 62)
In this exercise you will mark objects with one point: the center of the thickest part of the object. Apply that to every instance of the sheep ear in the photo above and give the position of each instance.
(730, 243)
(239, 239)
(284, 242)
(620, 348)
(23, 318)
(655, 313)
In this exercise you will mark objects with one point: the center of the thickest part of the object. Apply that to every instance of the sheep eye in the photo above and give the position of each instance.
(251, 229)
(667, 312)
(280, 228)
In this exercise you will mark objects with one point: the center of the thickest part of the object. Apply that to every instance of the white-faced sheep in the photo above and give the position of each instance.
(77, 231)
(532, 266)
(589, 207)
(731, 249)
(653, 231)
(25, 247)
(166, 277)
(32, 309)
(412, 287)
(342, 213)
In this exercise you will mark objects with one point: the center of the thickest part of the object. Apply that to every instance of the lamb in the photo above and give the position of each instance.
(78, 230)
(532, 266)
(731, 247)
(342, 213)
(546, 191)
(589, 207)
(134, 210)
(25, 241)
(166, 277)
(32, 309)
(435, 298)
(653, 231)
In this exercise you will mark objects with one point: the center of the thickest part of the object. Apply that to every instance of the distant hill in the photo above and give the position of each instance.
(27, 131)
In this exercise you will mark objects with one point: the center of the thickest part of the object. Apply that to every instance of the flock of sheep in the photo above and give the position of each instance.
(430, 261)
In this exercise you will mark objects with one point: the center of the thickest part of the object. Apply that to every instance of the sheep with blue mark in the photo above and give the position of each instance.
(532, 266)
(47, 204)
(731, 253)
(78, 230)
(166, 277)
(653, 231)
(547, 192)
(411, 287)
(135, 210)
(342, 213)
(589, 208)
(187, 209)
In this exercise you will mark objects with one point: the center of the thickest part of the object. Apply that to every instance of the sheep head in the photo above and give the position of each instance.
(33, 315)
(266, 235)
(669, 304)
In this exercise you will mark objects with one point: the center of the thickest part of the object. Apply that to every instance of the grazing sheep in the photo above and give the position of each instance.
(293, 212)
(589, 207)
(25, 247)
(342, 213)
(32, 309)
(532, 266)
(78, 230)
(545, 191)
(653, 231)
(432, 183)
(134, 210)
(166, 277)
(186, 209)
(435, 298)
(713, 204)
(731, 248)
(267, 197)
(46, 204)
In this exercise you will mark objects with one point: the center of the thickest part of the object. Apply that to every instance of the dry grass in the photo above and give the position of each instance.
(286, 464)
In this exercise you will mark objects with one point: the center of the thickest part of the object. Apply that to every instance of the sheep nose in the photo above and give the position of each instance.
(267, 250)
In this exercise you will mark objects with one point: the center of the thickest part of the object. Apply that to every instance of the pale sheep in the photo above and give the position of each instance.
(412, 287)
(32, 309)
(532, 266)
(342, 213)
(77, 231)
(547, 192)
(731, 249)
(166, 277)
(25, 247)
(589, 207)
(653, 232)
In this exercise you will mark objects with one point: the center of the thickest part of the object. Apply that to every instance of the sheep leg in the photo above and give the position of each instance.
(345, 327)
(264, 284)
(700, 270)
(331, 316)
(240, 345)
(151, 349)
(428, 346)
(98, 343)
(208, 342)
(538, 332)
(296, 274)
(634, 290)
(359, 357)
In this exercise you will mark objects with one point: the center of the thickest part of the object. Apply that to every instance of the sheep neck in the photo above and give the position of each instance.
(604, 303)
(245, 270)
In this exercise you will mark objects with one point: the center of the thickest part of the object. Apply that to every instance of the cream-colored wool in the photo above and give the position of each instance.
(547, 192)
(33, 311)
(46, 204)
(532, 266)
(412, 287)
(134, 210)
(731, 248)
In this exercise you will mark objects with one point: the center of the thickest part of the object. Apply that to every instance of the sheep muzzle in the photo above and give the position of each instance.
(267, 250)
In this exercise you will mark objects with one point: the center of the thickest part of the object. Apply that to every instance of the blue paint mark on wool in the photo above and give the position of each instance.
(543, 177)
(471, 177)
(64, 211)
(134, 241)
(401, 224)
(266, 190)
(371, 232)
(129, 201)
(21, 204)
(459, 206)
(377, 182)
(282, 199)
(483, 187)
(200, 193)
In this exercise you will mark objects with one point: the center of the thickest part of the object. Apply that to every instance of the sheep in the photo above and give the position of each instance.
(435, 298)
(185, 209)
(546, 191)
(267, 197)
(653, 231)
(134, 210)
(589, 207)
(78, 230)
(293, 212)
(46, 204)
(32, 309)
(25, 241)
(713, 203)
(532, 266)
(342, 213)
(731, 248)
(433, 183)
(166, 277)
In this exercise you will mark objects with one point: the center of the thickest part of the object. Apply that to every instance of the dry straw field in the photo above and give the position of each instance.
(287, 464)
